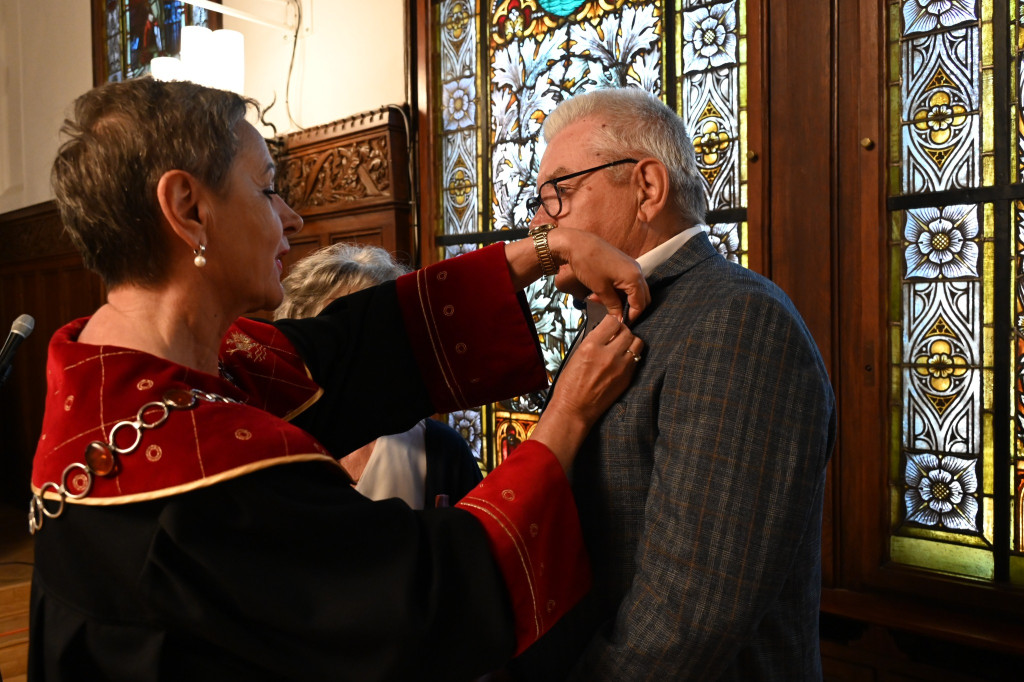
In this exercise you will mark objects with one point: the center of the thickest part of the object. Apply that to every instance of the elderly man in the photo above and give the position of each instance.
(701, 489)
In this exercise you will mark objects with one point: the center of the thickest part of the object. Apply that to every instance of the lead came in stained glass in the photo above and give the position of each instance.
(940, 142)
(945, 321)
(709, 37)
(537, 61)
(1017, 463)
(710, 98)
(941, 382)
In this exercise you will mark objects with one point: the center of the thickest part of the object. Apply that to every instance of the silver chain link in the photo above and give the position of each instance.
(102, 457)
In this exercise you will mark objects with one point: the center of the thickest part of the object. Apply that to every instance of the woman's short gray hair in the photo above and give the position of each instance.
(119, 140)
(639, 124)
(334, 271)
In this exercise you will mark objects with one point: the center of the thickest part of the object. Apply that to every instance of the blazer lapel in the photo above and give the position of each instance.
(695, 251)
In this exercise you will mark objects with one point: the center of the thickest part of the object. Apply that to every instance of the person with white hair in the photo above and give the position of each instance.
(700, 490)
(428, 466)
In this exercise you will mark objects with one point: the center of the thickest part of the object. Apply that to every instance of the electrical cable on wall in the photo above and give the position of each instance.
(291, 64)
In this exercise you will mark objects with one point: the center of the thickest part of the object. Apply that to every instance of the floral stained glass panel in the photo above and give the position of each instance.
(458, 91)
(459, 117)
(941, 122)
(943, 318)
(711, 93)
(944, 492)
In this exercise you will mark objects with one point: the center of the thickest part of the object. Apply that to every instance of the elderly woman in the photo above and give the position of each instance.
(428, 466)
(190, 519)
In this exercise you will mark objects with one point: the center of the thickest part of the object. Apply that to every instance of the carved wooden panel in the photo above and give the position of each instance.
(349, 180)
(338, 177)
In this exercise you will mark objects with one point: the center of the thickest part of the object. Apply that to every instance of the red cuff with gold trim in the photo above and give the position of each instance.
(473, 337)
(528, 512)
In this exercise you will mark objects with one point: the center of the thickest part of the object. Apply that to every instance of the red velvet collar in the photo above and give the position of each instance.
(91, 389)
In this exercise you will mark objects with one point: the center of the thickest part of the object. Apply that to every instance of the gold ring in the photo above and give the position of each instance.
(636, 358)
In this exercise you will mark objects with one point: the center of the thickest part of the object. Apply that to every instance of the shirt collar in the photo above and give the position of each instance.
(661, 253)
(648, 262)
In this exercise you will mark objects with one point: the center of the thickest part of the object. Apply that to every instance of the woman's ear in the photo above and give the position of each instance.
(178, 193)
(652, 188)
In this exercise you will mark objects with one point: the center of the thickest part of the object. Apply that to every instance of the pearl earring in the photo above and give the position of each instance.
(200, 259)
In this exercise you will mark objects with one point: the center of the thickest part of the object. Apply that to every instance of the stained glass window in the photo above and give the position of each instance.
(502, 66)
(957, 387)
(138, 30)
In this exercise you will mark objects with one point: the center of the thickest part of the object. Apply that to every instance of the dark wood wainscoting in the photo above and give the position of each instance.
(40, 274)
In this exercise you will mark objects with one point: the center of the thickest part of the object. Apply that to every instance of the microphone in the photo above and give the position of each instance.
(20, 330)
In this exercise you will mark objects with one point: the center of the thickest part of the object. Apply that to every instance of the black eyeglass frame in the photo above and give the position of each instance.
(534, 203)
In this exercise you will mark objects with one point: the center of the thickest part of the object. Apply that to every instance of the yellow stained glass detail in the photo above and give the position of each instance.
(939, 156)
(941, 365)
(940, 328)
(940, 80)
(710, 111)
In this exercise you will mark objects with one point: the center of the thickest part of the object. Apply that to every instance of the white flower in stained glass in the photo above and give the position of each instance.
(924, 15)
(940, 242)
(458, 105)
(709, 37)
(940, 491)
(458, 249)
(467, 423)
(725, 238)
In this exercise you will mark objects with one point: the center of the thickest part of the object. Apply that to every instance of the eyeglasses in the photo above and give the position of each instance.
(550, 194)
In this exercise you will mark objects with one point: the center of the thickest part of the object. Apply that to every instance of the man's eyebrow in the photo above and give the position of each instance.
(557, 173)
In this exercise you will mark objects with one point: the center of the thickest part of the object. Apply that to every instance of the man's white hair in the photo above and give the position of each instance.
(638, 124)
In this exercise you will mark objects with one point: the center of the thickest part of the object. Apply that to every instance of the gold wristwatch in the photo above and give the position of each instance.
(540, 243)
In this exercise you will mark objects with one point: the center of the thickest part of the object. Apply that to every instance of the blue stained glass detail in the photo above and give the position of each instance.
(562, 8)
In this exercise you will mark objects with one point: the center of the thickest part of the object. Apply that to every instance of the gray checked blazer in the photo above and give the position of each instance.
(700, 492)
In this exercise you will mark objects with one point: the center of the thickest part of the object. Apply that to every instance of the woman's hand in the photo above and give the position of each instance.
(598, 372)
(588, 264)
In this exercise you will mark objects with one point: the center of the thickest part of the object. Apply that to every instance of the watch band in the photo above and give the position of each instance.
(540, 244)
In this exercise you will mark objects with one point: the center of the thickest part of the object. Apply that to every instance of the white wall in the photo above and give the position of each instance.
(352, 61)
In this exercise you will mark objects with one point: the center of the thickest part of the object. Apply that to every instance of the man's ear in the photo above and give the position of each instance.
(179, 194)
(652, 188)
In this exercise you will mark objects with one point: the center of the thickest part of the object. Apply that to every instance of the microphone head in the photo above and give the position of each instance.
(24, 325)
